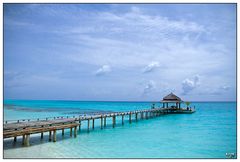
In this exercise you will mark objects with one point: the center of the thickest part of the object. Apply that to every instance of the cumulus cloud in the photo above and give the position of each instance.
(177, 43)
(149, 87)
(189, 84)
(150, 67)
(103, 70)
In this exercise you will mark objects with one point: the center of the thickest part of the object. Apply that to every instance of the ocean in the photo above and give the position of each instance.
(210, 132)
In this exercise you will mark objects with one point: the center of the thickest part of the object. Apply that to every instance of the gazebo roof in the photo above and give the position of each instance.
(171, 98)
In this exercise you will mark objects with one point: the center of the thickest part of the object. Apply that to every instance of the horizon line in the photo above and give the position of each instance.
(109, 100)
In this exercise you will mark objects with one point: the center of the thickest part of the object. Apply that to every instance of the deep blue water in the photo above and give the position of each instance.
(208, 133)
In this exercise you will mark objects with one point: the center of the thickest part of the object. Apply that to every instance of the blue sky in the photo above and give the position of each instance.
(130, 52)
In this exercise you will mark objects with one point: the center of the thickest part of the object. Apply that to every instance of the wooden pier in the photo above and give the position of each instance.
(24, 128)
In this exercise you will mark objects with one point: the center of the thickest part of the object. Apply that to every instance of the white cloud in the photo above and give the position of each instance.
(150, 67)
(189, 84)
(103, 70)
(130, 40)
(155, 38)
(225, 87)
(152, 22)
(149, 87)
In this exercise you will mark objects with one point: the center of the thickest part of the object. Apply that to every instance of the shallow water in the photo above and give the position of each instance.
(208, 133)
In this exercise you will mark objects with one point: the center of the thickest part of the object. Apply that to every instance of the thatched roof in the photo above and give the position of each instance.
(171, 98)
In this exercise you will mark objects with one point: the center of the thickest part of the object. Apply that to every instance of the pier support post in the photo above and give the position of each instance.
(63, 132)
(23, 139)
(54, 136)
(146, 115)
(42, 133)
(141, 115)
(88, 125)
(92, 123)
(71, 132)
(123, 119)
(101, 122)
(75, 131)
(79, 129)
(15, 139)
(105, 122)
(130, 118)
(26, 140)
(136, 117)
(113, 121)
(50, 135)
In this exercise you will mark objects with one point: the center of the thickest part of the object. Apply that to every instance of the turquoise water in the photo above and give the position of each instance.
(208, 133)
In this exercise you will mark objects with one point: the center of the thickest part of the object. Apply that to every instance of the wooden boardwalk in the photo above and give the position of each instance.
(26, 127)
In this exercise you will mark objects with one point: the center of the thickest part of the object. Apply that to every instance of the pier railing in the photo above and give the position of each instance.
(25, 127)
(82, 116)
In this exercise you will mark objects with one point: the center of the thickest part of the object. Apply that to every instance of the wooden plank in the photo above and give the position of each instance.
(36, 123)
(14, 133)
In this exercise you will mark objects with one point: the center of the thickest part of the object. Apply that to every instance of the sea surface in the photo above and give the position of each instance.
(210, 132)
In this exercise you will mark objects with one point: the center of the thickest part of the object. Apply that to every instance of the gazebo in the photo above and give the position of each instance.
(172, 98)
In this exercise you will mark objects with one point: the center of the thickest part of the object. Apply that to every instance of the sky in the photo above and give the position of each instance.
(120, 52)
